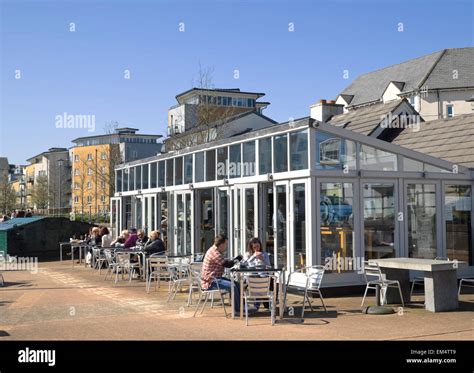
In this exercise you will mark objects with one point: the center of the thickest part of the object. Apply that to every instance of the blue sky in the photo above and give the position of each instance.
(81, 72)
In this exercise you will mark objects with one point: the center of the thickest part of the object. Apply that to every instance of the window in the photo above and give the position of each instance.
(102, 184)
(211, 165)
(199, 167)
(222, 163)
(76, 158)
(77, 172)
(153, 174)
(265, 156)
(235, 161)
(449, 111)
(126, 175)
(102, 199)
(421, 201)
(457, 207)
(169, 172)
(138, 177)
(188, 168)
(103, 170)
(89, 171)
(178, 166)
(299, 150)
(134, 154)
(248, 154)
(161, 174)
(76, 199)
(76, 186)
(131, 178)
(334, 153)
(89, 157)
(145, 176)
(412, 166)
(89, 185)
(89, 200)
(103, 156)
(376, 159)
(280, 153)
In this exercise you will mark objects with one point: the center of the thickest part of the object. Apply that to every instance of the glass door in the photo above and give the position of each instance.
(138, 213)
(149, 213)
(116, 216)
(183, 218)
(299, 224)
(245, 214)
(281, 224)
(223, 213)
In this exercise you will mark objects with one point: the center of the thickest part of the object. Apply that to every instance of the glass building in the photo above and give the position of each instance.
(312, 192)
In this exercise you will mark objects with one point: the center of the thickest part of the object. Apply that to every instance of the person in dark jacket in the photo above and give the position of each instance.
(155, 245)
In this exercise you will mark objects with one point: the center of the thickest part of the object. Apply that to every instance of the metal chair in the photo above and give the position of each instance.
(372, 269)
(98, 258)
(195, 280)
(179, 276)
(209, 293)
(109, 262)
(158, 270)
(466, 282)
(308, 280)
(258, 289)
(124, 264)
(420, 281)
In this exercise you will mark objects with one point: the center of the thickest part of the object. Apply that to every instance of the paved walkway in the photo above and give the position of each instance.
(64, 303)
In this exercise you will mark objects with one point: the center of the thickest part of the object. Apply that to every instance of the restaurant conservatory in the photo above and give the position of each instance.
(312, 192)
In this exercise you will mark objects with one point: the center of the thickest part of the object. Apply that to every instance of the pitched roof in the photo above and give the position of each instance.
(433, 71)
(450, 139)
(365, 119)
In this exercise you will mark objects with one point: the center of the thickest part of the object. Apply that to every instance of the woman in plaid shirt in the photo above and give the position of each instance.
(213, 269)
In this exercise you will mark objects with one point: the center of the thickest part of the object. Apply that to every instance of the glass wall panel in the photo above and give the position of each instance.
(169, 172)
(211, 165)
(412, 166)
(145, 176)
(126, 174)
(280, 153)
(379, 220)
(249, 215)
(337, 226)
(265, 156)
(268, 240)
(188, 169)
(299, 150)
(376, 159)
(138, 177)
(222, 163)
(248, 164)
(280, 226)
(161, 174)
(188, 222)
(334, 153)
(235, 161)
(163, 211)
(199, 169)
(421, 220)
(139, 213)
(127, 208)
(180, 225)
(206, 219)
(131, 178)
(178, 171)
(224, 213)
(457, 207)
(299, 225)
(154, 175)
(118, 180)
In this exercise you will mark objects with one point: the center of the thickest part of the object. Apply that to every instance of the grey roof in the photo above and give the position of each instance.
(450, 139)
(365, 119)
(432, 71)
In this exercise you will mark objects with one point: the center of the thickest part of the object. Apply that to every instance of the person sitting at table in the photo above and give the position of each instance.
(213, 269)
(105, 237)
(255, 254)
(154, 245)
(142, 238)
(120, 241)
(131, 240)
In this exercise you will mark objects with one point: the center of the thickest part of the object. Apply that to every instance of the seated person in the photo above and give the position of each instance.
(255, 256)
(131, 240)
(120, 241)
(142, 238)
(154, 245)
(213, 269)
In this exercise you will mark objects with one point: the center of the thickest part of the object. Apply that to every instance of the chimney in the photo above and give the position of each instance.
(323, 110)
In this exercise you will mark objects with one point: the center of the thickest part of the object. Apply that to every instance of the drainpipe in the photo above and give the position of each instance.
(439, 104)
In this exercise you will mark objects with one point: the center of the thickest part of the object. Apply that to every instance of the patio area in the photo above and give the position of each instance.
(65, 303)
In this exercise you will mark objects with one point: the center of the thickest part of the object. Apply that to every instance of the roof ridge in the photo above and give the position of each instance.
(425, 78)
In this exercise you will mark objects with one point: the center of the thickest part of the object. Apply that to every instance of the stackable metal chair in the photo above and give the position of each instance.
(258, 289)
(123, 264)
(372, 269)
(158, 270)
(307, 280)
(466, 282)
(206, 294)
(109, 263)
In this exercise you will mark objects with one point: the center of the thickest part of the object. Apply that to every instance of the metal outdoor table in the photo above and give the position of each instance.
(80, 246)
(441, 288)
(61, 245)
(240, 272)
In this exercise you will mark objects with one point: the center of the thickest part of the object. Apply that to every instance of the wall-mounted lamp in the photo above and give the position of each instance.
(226, 181)
(191, 186)
(269, 177)
(163, 189)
